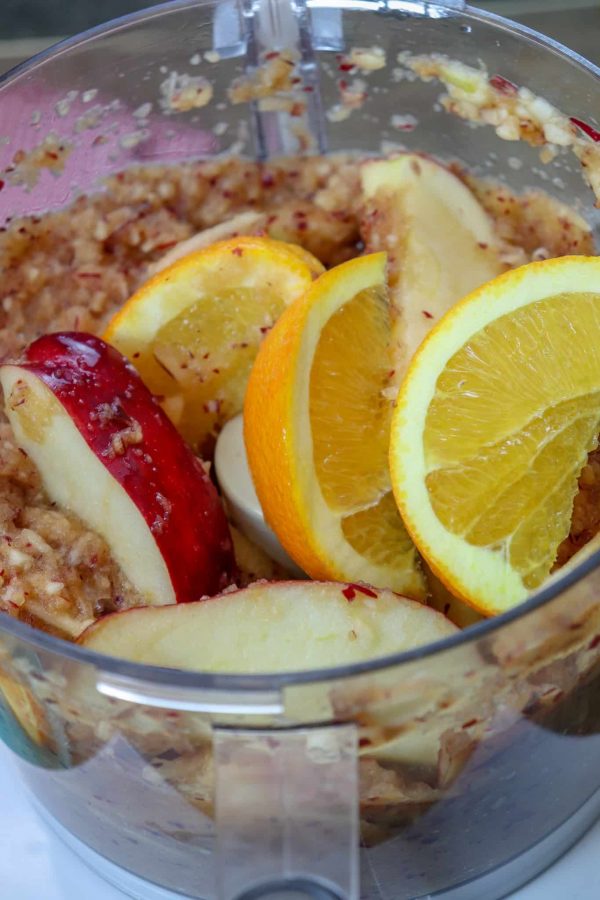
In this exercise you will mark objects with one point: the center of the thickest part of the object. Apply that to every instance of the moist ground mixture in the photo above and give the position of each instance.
(72, 269)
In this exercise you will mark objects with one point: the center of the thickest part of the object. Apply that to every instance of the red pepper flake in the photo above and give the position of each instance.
(237, 251)
(587, 129)
(267, 180)
(427, 314)
(343, 85)
(1, 184)
(446, 608)
(136, 355)
(308, 88)
(364, 742)
(594, 642)
(503, 85)
(350, 591)
(272, 55)
(265, 329)
(346, 67)
(470, 723)
(51, 154)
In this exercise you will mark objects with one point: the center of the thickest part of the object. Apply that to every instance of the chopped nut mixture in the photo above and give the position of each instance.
(70, 270)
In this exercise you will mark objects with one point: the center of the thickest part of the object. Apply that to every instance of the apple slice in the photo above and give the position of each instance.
(271, 627)
(107, 452)
(440, 242)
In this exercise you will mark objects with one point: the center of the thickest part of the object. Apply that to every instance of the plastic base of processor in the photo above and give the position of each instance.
(493, 885)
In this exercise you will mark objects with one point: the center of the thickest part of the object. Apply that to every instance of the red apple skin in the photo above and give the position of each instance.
(104, 396)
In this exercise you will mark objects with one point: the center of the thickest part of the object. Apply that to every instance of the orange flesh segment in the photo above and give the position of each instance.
(505, 443)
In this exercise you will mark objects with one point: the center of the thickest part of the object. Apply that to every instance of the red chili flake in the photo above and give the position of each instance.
(482, 245)
(136, 355)
(295, 80)
(427, 315)
(361, 589)
(1, 184)
(349, 593)
(364, 742)
(446, 608)
(470, 722)
(51, 154)
(308, 89)
(166, 246)
(503, 85)
(346, 67)
(267, 180)
(343, 85)
(227, 194)
(272, 55)
(594, 642)
(265, 329)
(216, 371)
(237, 251)
(302, 226)
(587, 129)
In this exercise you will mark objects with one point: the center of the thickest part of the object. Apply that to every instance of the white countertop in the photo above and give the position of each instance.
(35, 865)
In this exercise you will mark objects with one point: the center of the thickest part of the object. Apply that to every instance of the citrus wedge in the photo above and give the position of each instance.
(193, 330)
(316, 427)
(441, 243)
(493, 425)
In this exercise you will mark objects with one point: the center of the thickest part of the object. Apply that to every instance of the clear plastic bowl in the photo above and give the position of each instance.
(465, 767)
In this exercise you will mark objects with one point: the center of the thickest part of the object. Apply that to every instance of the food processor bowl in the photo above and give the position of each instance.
(460, 769)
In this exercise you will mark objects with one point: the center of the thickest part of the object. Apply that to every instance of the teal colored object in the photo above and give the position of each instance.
(16, 738)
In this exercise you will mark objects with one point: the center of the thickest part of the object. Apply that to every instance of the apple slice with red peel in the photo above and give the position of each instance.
(440, 242)
(271, 627)
(107, 452)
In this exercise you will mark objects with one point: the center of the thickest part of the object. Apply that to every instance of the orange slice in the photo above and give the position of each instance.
(193, 330)
(316, 426)
(494, 422)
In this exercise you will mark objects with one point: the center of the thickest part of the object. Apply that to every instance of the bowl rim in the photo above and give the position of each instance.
(243, 683)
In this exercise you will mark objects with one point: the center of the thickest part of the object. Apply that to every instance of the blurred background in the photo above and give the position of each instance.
(28, 26)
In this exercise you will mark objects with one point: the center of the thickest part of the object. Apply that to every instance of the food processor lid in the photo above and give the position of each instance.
(307, 26)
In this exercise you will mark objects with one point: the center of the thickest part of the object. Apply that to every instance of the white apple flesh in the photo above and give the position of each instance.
(440, 242)
(271, 627)
(107, 452)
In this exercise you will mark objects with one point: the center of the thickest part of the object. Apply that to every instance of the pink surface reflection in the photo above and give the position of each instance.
(99, 134)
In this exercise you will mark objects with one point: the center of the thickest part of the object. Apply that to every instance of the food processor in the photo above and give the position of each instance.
(458, 770)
